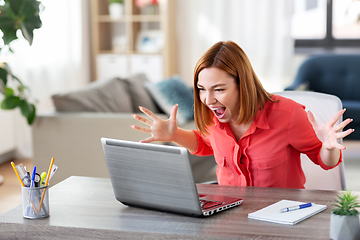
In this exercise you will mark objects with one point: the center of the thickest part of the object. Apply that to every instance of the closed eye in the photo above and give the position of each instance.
(201, 89)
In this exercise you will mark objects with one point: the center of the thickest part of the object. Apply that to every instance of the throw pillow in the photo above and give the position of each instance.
(104, 96)
(303, 87)
(139, 95)
(171, 91)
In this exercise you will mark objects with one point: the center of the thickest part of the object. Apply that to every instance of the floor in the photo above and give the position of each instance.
(10, 189)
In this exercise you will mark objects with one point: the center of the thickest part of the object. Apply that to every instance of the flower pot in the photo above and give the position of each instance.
(116, 10)
(344, 227)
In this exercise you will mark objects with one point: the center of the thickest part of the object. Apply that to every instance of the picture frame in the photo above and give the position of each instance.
(149, 41)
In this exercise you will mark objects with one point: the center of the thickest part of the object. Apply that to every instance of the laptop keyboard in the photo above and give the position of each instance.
(206, 204)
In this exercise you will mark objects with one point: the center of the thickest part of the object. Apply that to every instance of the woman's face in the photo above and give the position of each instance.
(219, 92)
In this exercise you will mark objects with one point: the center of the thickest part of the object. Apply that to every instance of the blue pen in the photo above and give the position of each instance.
(31, 186)
(33, 177)
(288, 209)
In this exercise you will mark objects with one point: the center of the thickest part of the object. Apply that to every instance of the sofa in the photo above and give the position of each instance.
(336, 74)
(71, 132)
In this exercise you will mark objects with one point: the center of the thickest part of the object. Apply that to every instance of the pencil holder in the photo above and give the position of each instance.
(35, 202)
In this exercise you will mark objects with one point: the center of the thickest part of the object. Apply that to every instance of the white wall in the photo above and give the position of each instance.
(7, 136)
(260, 27)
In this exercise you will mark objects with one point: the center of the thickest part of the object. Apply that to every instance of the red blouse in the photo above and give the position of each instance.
(268, 154)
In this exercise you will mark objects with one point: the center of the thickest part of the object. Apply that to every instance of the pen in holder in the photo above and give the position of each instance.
(35, 205)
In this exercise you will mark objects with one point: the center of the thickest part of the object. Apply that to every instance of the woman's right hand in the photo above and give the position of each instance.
(160, 130)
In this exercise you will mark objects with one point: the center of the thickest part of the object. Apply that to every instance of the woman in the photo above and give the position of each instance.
(255, 137)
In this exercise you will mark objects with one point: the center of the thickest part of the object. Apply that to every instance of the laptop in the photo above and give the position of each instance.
(158, 177)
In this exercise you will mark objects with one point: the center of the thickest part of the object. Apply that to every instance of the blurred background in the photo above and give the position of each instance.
(80, 42)
(84, 41)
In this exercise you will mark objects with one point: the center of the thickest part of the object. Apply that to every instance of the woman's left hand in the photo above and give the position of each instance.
(329, 133)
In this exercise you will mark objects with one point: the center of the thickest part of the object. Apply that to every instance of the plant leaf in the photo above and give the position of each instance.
(3, 75)
(27, 27)
(19, 14)
(9, 91)
(6, 22)
(31, 14)
(15, 6)
(30, 11)
(15, 15)
(27, 33)
(10, 102)
(24, 107)
(9, 35)
(32, 114)
(346, 204)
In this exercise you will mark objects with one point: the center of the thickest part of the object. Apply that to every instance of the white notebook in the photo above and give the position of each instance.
(272, 213)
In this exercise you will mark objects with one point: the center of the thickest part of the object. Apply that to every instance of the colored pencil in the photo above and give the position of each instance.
(46, 182)
(23, 185)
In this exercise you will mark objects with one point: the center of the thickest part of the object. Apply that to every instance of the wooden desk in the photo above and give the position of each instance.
(85, 208)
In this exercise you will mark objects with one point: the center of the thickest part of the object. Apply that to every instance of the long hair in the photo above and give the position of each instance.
(229, 57)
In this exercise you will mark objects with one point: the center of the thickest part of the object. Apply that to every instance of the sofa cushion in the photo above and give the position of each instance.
(103, 96)
(303, 87)
(139, 95)
(171, 91)
(352, 111)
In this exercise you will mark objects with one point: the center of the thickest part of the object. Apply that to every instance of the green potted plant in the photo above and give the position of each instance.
(17, 15)
(116, 8)
(344, 222)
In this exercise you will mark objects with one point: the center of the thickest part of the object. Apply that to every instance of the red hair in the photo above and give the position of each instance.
(229, 57)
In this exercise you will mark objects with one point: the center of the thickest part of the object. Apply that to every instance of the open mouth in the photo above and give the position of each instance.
(219, 112)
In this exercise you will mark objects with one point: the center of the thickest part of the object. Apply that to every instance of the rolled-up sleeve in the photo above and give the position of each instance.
(303, 138)
(203, 147)
(326, 167)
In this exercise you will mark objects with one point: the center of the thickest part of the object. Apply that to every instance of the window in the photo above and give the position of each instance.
(326, 23)
(346, 19)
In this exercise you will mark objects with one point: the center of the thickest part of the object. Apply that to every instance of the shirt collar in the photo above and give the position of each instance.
(261, 119)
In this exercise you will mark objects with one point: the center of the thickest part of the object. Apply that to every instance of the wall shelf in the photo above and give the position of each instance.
(138, 33)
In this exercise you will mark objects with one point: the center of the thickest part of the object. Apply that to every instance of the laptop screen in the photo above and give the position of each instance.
(152, 176)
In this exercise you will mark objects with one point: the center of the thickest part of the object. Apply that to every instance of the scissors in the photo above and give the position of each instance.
(37, 180)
